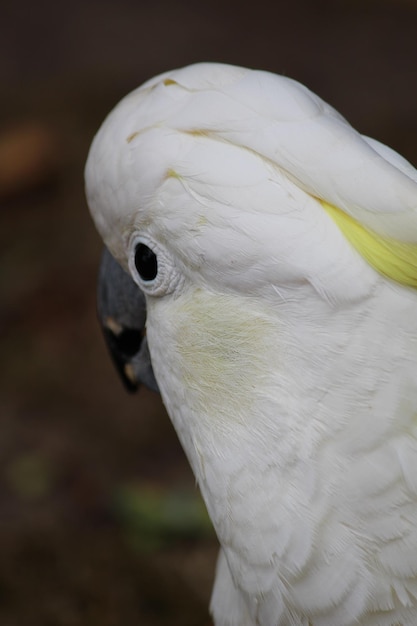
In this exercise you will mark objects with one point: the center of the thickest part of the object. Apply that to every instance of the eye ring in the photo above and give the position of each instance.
(152, 267)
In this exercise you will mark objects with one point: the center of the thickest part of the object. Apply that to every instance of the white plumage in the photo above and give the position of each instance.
(286, 362)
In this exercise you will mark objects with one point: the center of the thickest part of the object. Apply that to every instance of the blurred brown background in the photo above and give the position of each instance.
(100, 522)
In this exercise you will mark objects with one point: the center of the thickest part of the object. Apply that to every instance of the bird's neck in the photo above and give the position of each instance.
(280, 399)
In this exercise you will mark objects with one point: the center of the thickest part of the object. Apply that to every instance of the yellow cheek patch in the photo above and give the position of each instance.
(223, 349)
(392, 258)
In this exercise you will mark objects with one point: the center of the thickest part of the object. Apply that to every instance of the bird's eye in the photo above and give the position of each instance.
(146, 262)
(152, 266)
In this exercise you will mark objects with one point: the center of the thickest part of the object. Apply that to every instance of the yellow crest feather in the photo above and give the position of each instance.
(392, 258)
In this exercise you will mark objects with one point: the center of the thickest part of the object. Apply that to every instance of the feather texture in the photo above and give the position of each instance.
(285, 355)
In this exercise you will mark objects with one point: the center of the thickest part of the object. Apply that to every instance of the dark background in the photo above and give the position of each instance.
(100, 522)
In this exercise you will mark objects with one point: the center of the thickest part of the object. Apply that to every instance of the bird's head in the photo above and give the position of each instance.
(195, 177)
(220, 190)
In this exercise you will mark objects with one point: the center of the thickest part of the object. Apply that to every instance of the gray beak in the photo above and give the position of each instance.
(122, 313)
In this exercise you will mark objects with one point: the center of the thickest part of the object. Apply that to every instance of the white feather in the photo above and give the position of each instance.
(287, 364)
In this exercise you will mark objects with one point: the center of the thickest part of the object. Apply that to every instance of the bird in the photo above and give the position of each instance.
(272, 249)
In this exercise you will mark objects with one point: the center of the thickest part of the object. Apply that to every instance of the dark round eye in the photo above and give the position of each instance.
(145, 262)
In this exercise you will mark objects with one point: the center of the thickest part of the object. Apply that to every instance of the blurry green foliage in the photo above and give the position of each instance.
(154, 517)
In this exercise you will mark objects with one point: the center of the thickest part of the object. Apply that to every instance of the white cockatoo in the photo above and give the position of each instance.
(277, 251)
